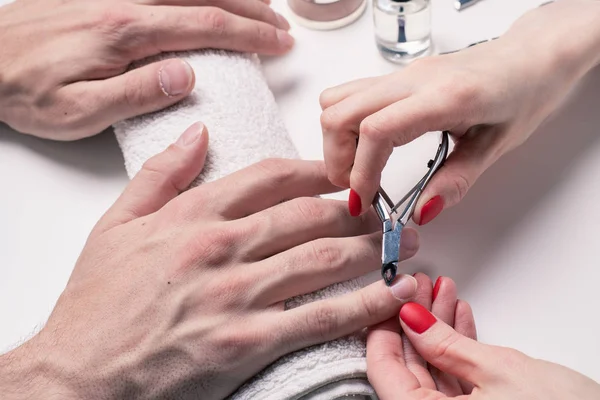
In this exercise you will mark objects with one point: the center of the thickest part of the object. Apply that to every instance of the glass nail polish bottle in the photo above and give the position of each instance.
(402, 28)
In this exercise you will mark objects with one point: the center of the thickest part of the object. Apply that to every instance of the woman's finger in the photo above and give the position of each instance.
(324, 262)
(386, 369)
(252, 9)
(476, 151)
(393, 126)
(160, 180)
(414, 362)
(341, 127)
(465, 325)
(338, 93)
(444, 307)
(444, 348)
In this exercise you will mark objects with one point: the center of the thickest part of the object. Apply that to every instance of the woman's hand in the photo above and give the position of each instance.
(437, 357)
(491, 97)
(182, 296)
(63, 63)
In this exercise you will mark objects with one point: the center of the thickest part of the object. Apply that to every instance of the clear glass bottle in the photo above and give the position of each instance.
(402, 28)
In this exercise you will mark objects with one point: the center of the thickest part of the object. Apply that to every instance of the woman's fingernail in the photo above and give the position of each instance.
(417, 317)
(285, 39)
(191, 134)
(175, 77)
(282, 22)
(436, 287)
(404, 288)
(354, 203)
(431, 209)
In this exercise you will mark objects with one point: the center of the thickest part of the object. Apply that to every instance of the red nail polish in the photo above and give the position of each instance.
(417, 317)
(431, 209)
(354, 204)
(436, 288)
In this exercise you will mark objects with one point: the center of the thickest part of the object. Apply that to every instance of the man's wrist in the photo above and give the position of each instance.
(28, 373)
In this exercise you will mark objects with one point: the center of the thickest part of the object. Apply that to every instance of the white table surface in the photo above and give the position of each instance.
(523, 246)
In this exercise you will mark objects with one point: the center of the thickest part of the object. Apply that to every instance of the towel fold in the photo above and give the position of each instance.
(233, 100)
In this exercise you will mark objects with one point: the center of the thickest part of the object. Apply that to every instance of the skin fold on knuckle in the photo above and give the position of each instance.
(328, 256)
(276, 171)
(118, 25)
(214, 21)
(324, 323)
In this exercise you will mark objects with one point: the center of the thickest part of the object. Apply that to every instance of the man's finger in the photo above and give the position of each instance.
(140, 91)
(444, 348)
(160, 180)
(172, 28)
(266, 184)
(252, 9)
(333, 318)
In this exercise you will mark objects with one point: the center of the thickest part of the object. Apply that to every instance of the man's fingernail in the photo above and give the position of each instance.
(410, 240)
(354, 203)
(175, 77)
(417, 317)
(285, 39)
(431, 209)
(404, 287)
(436, 288)
(282, 22)
(191, 134)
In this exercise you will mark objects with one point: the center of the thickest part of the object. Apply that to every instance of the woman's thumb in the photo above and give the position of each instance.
(443, 347)
(452, 182)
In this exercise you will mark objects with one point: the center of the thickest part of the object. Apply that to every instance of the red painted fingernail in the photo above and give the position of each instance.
(354, 204)
(431, 209)
(417, 317)
(436, 288)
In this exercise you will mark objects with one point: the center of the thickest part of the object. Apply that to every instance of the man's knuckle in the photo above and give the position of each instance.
(116, 21)
(310, 209)
(326, 255)
(134, 92)
(369, 306)
(324, 322)
(276, 170)
(214, 20)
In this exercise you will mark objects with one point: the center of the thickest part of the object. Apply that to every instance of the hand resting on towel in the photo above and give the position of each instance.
(64, 64)
(181, 295)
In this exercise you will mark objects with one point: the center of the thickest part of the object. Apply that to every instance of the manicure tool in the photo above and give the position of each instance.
(462, 4)
(386, 210)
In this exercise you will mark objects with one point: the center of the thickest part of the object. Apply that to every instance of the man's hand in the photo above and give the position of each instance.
(63, 63)
(182, 296)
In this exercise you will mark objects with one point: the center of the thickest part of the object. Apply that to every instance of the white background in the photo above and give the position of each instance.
(523, 246)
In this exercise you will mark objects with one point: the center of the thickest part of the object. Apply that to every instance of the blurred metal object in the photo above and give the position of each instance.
(394, 222)
(462, 4)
